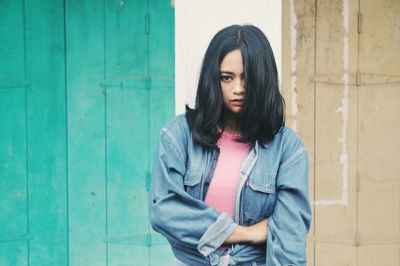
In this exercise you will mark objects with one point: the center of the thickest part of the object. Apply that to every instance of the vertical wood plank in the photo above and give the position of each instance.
(378, 164)
(336, 128)
(86, 132)
(13, 174)
(127, 131)
(379, 133)
(162, 106)
(161, 67)
(13, 157)
(127, 158)
(46, 132)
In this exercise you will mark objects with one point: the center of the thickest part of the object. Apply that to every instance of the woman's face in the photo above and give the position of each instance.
(232, 81)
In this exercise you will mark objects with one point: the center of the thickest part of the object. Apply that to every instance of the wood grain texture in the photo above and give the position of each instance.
(127, 129)
(75, 147)
(86, 133)
(13, 137)
(46, 120)
(161, 96)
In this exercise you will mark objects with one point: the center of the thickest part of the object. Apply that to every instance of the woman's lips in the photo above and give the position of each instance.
(236, 102)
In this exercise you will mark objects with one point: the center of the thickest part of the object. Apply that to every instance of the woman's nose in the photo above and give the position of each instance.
(238, 87)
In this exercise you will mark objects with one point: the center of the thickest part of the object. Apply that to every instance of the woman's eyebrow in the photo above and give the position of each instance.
(226, 72)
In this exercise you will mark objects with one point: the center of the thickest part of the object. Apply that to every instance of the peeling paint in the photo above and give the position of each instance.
(293, 63)
(344, 109)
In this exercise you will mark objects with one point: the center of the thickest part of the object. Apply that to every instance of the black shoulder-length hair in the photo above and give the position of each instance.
(262, 112)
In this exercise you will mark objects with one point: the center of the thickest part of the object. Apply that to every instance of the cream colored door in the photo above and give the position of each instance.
(341, 82)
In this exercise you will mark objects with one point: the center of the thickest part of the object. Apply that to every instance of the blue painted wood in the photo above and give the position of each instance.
(126, 122)
(85, 87)
(13, 158)
(86, 133)
(46, 133)
(162, 65)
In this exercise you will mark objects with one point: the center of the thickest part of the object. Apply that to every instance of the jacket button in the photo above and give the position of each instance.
(154, 200)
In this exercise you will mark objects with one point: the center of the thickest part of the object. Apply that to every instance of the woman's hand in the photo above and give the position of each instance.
(253, 234)
(258, 232)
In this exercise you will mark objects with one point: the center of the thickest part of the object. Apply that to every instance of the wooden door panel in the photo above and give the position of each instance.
(47, 132)
(351, 124)
(379, 133)
(86, 133)
(76, 150)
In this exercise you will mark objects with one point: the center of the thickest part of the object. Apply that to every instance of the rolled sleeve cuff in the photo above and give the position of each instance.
(216, 234)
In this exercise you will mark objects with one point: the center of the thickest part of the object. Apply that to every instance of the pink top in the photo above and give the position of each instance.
(222, 190)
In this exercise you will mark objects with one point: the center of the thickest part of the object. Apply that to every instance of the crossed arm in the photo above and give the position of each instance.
(195, 225)
(254, 234)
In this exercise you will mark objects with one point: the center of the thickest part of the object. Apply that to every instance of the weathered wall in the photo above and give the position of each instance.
(341, 82)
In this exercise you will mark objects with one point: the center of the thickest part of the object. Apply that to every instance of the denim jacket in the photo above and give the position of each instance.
(273, 183)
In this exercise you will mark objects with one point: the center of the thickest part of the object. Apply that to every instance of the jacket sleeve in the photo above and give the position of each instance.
(289, 224)
(182, 219)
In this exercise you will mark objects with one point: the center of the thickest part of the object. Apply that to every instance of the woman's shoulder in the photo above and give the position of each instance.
(176, 130)
(287, 143)
(177, 125)
(288, 136)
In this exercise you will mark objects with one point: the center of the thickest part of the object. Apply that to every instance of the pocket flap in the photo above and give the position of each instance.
(192, 176)
(263, 183)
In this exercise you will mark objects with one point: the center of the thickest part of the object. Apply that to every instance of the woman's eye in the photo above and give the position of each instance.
(225, 78)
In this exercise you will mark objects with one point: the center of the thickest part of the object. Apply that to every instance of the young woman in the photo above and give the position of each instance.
(229, 184)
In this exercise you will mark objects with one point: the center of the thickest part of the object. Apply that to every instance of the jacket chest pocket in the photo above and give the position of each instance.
(192, 182)
(259, 197)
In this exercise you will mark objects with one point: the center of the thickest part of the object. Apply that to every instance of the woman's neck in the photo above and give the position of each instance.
(230, 123)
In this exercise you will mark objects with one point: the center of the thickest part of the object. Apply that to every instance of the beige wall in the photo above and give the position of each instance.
(341, 82)
(196, 22)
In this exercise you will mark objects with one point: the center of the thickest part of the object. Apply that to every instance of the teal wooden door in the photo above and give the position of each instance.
(85, 87)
